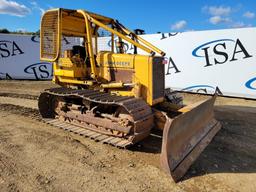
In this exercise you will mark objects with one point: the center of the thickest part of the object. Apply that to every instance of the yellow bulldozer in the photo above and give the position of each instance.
(114, 97)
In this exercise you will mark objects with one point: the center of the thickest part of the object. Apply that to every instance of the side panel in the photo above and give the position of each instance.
(115, 60)
(142, 76)
(68, 68)
(115, 67)
(158, 79)
(149, 73)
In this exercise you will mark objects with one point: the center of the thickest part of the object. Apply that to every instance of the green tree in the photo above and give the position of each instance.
(37, 32)
(4, 31)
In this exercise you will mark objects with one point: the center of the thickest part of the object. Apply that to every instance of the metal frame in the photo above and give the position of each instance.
(101, 21)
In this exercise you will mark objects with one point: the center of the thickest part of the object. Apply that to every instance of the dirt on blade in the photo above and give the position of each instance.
(35, 156)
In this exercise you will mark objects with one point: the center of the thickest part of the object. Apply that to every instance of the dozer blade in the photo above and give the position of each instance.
(186, 136)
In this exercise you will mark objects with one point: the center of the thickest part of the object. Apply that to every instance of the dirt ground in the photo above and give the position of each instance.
(38, 157)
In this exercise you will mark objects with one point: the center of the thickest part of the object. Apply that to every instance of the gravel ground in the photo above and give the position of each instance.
(38, 157)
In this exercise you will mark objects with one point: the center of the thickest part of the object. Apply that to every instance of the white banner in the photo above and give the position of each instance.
(198, 61)
(201, 61)
(19, 57)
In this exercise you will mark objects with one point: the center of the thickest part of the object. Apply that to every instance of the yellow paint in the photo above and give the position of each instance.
(112, 85)
(71, 70)
(143, 76)
(74, 81)
(66, 68)
(122, 93)
(112, 60)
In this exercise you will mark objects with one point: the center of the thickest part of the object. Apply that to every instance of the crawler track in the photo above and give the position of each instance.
(105, 130)
(34, 114)
(98, 137)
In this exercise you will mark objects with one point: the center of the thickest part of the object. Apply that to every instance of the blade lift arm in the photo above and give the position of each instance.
(124, 33)
(132, 34)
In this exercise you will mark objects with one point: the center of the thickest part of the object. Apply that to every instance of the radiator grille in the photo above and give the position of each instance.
(49, 35)
(158, 78)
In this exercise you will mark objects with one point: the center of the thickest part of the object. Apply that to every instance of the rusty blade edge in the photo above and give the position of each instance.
(184, 165)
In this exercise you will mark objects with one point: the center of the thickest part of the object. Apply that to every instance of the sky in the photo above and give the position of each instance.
(151, 16)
